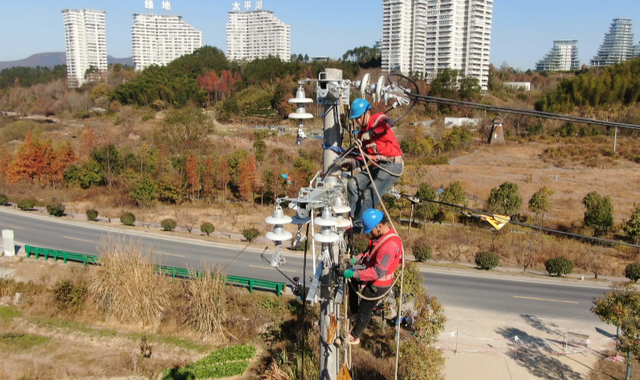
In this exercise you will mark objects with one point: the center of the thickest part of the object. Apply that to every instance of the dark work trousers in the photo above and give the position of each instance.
(361, 308)
(361, 194)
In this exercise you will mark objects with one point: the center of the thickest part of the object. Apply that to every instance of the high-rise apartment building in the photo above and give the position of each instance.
(636, 50)
(426, 36)
(562, 57)
(256, 33)
(86, 40)
(159, 39)
(617, 45)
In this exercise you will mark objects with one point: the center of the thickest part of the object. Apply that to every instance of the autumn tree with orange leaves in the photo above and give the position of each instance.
(37, 162)
(223, 177)
(193, 176)
(217, 87)
(208, 178)
(247, 177)
(88, 142)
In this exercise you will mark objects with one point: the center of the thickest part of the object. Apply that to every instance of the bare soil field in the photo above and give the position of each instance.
(521, 163)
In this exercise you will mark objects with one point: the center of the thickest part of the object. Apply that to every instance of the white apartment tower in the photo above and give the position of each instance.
(562, 57)
(425, 36)
(159, 39)
(86, 40)
(256, 33)
(617, 45)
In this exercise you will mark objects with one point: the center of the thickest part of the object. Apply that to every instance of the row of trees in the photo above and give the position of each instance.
(617, 84)
(183, 163)
(30, 76)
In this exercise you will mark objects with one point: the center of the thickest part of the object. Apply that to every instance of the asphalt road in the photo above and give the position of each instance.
(468, 291)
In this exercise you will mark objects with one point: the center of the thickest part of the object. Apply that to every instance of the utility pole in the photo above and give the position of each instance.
(329, 309)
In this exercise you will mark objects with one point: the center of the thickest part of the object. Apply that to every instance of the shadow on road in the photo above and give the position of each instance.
(535, 354)
(537, 324)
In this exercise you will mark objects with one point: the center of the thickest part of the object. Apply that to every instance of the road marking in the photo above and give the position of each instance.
(7, 225)
(281, 270)
(72, 238)
(168, 254)
(545, 299)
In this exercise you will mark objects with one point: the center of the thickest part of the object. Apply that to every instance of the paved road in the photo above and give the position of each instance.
(503, 295)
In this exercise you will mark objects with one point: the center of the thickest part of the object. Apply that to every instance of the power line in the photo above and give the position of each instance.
(550, 230)
(516, 111)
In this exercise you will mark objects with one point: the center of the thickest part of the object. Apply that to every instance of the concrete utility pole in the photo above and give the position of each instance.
(329, 309)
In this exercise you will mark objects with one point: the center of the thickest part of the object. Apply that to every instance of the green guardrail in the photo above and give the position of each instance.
(174, 272)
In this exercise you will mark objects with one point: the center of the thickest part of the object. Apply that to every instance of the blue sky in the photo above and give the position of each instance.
(523, 31)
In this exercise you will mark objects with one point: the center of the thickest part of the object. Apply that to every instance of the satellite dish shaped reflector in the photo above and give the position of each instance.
(364, 85)
(377, 93)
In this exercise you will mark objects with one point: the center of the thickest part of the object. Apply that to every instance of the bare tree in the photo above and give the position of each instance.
(187, 220)
(593, 259)
(524, 248)
(462, 241)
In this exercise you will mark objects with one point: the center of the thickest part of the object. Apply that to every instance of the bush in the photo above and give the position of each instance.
(168, 224)
(559, 266)
(26, 204)
(55, 209)
(250, 233)
(487, 260)
(92, 214)
(68, 295)
(207, 228)
(3, 199)
(421, 252)
(632, 272)
(128, 219)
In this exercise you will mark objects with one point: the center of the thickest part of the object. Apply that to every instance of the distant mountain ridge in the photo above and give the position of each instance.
(52, 59)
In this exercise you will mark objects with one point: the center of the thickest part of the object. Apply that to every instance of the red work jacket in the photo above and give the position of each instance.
(381, 259)
(384, 141)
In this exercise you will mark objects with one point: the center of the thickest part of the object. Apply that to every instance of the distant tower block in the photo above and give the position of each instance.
(497, 132)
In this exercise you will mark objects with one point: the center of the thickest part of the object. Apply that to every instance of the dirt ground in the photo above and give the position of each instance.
(489, 166)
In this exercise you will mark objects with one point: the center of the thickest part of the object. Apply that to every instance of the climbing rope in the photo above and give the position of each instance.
(375, 188)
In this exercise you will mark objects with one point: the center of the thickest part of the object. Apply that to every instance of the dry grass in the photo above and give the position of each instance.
(524, 164)
(206, 298)
(609, 370)
(126, 286)
(519, 247)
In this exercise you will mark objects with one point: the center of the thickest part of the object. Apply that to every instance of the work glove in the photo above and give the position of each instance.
(367, 135)
(348, 273)
(350, 261)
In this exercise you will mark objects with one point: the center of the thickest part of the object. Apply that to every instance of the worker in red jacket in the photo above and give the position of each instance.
(381, 259)
(385, 162)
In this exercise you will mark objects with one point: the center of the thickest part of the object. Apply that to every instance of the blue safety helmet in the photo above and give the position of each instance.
(359, 107)
(370, 219)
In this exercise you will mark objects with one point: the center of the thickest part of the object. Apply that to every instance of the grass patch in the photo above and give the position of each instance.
(107, 333)
(71, 325)
(21, 342)
(7, 314)
(226, 362)
(19, 129)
